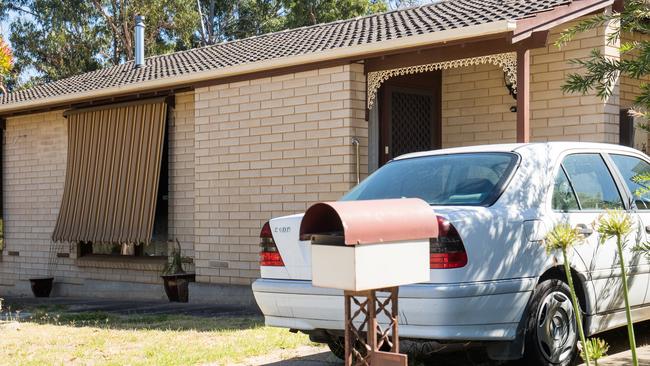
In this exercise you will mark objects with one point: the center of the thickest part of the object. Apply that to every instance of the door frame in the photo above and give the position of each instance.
(429, 83)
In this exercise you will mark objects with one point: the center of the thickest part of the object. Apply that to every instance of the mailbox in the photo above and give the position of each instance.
(364, 245)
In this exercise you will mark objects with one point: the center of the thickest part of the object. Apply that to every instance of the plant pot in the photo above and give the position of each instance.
(177, 286)
(41, 287)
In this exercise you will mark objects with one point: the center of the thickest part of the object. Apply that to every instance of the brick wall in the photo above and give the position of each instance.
(34, 163)
(34, 173)
(181, 173)
(265, 148)
(476, 103)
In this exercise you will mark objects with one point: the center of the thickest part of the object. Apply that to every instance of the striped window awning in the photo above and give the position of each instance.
(113, 170)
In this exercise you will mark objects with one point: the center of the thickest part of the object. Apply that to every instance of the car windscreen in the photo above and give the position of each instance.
(469, 179)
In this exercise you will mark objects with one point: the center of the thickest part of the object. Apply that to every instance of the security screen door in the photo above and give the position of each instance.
(409, 115)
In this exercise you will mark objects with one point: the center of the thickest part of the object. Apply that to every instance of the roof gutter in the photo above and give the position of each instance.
(486, 29)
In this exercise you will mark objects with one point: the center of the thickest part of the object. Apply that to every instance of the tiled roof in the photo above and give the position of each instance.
(439, 16)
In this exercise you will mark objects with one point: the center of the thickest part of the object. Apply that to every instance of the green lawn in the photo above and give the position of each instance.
(53, 337)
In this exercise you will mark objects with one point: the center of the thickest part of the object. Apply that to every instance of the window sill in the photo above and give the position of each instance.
(156, 264)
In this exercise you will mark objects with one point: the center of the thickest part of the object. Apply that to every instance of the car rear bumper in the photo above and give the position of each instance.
(478, 311)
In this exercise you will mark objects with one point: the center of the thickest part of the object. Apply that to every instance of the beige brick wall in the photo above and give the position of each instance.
(34, 163)
(265, 148)
(34, 173)
(631, 88)
(476, 103)
(181, 173)
(476, 107)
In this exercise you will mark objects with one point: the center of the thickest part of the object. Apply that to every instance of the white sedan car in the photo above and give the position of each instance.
(491, 280)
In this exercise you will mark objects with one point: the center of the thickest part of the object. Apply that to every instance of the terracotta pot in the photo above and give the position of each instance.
(41, 287)
(177, 286)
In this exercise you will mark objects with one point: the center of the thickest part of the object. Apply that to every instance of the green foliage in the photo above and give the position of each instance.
(594, 349)
(174, 260)
(563, 237)
(309, 12)
(618, 224)
(223, 21)
(170, 25)
(601, 73)
(55, 39)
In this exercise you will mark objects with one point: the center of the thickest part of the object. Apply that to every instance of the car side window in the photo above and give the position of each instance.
(636, 173)
(592, 181)
(564, 198)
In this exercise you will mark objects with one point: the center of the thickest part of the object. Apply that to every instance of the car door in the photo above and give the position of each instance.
(634, 171)
(585, 188)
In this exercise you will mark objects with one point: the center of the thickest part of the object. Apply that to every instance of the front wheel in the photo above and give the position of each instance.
(551, 332)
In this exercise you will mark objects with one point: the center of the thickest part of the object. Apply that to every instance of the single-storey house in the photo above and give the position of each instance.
(101, 169)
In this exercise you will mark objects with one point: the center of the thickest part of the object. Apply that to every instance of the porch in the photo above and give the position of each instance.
(498, 89)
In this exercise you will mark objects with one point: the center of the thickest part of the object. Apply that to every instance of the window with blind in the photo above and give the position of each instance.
(113, 178)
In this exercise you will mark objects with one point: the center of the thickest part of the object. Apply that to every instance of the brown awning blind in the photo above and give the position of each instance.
(113, 169)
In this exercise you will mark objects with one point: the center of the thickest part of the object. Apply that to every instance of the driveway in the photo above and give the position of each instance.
(619, 354)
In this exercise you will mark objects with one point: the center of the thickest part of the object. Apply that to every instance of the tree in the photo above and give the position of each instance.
(228, 20)
(309, 12)
(601, 73)
(170, 25)
(54, 38)
(6, 64)
(402, 4)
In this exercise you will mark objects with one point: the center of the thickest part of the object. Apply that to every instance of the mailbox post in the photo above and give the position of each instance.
(366, 248)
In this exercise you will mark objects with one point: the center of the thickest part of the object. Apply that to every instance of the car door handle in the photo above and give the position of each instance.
(584, 229)
(647, 229)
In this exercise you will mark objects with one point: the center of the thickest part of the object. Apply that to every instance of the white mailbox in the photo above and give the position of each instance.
(364, 245)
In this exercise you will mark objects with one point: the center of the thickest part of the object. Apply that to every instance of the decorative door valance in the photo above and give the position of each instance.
(506, 61)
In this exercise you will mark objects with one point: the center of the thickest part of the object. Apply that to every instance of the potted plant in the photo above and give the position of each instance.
(42, 286)
(175, 279)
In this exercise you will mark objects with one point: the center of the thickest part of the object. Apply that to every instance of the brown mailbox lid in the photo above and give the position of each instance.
(374, 221)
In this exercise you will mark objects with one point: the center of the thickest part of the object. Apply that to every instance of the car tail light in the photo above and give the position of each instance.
(447, 250)
(269, 253)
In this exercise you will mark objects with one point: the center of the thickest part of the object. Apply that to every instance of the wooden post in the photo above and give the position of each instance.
(349, 342)
(523, 95)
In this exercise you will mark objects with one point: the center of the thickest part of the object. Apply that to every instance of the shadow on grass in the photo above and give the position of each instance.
(128, 317)
(146, 322)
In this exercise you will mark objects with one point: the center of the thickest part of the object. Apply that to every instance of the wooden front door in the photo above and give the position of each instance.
(409, 115)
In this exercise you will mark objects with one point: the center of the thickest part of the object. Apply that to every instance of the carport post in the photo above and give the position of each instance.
(523, 95)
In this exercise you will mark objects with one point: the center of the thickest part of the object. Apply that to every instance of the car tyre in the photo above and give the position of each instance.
(337, 347)
(551, 329)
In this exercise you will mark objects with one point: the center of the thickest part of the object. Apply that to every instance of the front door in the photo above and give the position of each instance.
(410, 115)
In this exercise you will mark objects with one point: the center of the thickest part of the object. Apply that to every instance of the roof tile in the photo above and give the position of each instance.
(443, 15)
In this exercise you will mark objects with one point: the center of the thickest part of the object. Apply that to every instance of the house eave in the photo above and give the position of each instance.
(360, 52)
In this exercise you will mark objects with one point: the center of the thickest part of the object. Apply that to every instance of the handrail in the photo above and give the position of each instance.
(355, 143)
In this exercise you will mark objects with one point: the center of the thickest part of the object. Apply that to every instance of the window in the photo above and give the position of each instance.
(636, 174)
(114, 198)
(593, 183)
(474, 179)
(626, 128)
(564, 198)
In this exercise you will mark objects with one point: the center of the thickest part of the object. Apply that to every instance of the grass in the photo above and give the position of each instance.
(60, 338)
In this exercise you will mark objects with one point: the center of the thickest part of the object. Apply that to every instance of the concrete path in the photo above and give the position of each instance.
(130, 307)
(619, 354)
